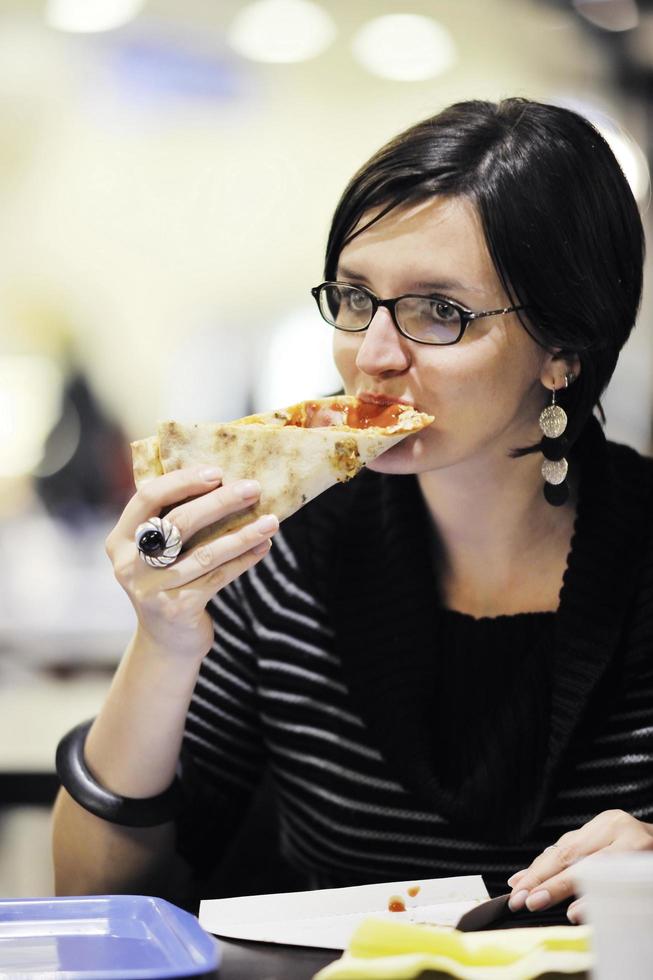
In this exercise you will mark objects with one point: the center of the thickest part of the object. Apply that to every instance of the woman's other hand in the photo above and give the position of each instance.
(170, 602)
(549, 879)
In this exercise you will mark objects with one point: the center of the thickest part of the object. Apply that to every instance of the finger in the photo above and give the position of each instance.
(553, 890)
(512, 881)
(601, 832)
(210, 556)
(163, 491)
(577, 911)
(631, 837)
(190, 600)
(225, 574)
(549, 863)
(193, 515)
(592, 836)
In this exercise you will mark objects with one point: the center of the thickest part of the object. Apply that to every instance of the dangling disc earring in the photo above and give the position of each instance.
(553, 422)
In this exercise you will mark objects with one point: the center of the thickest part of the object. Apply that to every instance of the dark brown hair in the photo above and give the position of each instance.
(560, 221)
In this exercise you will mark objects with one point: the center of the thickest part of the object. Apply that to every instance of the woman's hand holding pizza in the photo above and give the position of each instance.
(170, 602)
(549, 879)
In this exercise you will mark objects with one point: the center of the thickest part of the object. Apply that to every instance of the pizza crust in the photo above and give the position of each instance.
(292, 462)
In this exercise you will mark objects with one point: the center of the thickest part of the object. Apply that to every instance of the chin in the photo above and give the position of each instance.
(407, 456)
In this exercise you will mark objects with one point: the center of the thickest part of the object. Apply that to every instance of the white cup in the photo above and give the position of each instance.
(618, 892)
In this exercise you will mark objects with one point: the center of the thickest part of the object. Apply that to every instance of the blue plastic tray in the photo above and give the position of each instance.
(104, 937)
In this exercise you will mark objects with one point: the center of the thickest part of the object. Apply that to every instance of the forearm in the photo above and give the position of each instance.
(132, 749)
(133, 746)
(94, 857)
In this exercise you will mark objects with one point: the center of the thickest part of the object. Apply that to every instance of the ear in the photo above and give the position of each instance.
(556, 367)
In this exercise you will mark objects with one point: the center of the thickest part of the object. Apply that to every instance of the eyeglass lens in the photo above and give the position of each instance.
(432, 321)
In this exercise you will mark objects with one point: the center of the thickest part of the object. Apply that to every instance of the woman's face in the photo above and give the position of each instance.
(485, 392)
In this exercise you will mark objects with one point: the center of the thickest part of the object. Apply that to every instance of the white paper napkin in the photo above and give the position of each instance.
(327, 918)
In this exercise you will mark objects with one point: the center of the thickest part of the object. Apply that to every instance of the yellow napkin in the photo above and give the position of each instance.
(380, 950)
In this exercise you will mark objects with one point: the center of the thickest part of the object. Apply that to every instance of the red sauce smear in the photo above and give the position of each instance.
(414, 890)
(364, 414)
(360, 416)
(396, 904)
(304, 412)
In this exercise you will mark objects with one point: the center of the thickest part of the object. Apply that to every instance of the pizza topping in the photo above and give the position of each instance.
(346, 459)
(413, 890)
(362, 415)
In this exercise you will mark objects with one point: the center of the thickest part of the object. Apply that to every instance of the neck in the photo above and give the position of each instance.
(493, 520)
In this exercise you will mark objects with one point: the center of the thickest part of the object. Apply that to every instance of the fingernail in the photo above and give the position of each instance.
(248, 489)
(211, 474)
(266, 524)
(538, 900)
(513, 878)
(518, 900)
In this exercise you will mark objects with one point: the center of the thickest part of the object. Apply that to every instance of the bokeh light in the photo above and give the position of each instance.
(405, 47)
(281, 30)
(89, 16)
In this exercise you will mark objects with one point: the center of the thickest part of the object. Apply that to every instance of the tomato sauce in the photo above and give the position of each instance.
(396, 904)
(359, 416)
(364, 414)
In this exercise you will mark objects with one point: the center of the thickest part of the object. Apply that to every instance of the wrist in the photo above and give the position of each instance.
(180, 656)
(161, 674)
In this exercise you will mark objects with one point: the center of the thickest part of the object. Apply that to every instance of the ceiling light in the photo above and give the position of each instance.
(281, 30)
(405, 47)
(89, 16)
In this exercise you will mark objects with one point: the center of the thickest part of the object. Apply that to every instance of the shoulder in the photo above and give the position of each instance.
(631, 459)
(612, 471)
(630, 471)
(630, 475)
(623, 484)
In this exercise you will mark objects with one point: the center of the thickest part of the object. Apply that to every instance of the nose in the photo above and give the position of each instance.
(383, 350)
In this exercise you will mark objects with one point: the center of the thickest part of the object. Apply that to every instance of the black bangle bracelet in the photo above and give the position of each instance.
(76, 777)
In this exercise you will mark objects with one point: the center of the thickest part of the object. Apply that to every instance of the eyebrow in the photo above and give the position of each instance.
(434, 285)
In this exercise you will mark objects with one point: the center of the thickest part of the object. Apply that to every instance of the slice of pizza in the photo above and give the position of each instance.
(295, 453)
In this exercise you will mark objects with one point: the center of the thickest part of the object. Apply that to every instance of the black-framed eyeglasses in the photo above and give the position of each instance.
(424, 319)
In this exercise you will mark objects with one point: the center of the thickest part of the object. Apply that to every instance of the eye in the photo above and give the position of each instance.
(443, 311)
(358, 300)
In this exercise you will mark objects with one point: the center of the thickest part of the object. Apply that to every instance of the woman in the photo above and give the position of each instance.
(448, 670)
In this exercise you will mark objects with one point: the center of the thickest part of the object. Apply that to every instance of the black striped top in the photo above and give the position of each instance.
(332, 665)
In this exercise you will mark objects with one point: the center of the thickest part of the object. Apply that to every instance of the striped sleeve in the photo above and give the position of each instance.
(222, 757)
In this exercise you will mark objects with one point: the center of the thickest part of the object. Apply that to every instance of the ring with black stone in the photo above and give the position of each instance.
(158, 541)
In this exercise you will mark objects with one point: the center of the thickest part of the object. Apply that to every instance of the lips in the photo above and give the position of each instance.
(378, 399)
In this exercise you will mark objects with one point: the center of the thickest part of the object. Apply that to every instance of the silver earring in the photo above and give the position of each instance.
(553, 422)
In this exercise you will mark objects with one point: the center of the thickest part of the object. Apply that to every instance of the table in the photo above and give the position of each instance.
(266, 961)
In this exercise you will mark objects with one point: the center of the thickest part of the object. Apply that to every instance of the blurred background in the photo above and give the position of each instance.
(168, 170)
